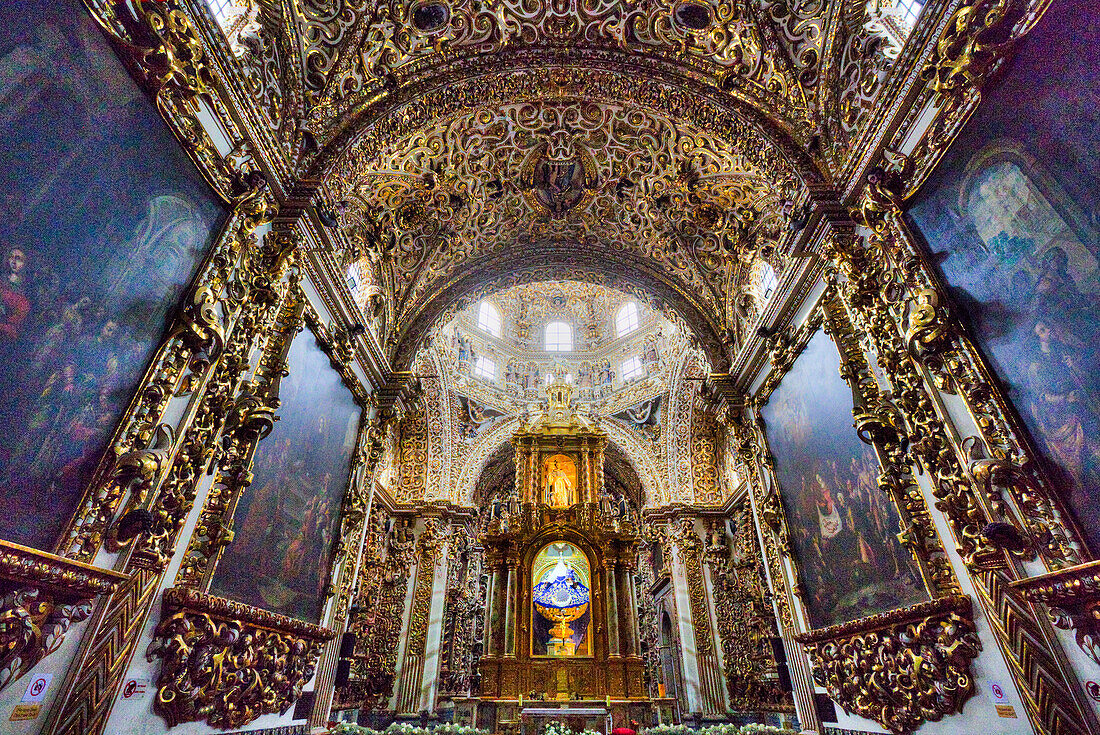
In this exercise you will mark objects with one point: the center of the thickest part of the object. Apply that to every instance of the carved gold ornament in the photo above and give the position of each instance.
(1072, 598)
(902, 668)
(227, 663)
(41, 596)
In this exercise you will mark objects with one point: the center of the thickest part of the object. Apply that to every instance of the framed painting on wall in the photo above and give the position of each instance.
(103, 222)
(1011, 216)
(285, 523)
(842, 526)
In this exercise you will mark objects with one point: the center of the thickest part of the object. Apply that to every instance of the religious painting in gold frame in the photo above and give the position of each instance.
(561, 601)
(843, 528)
(559, 481)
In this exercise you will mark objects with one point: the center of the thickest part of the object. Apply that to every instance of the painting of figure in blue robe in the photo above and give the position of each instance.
(103, 222)
(1011, 216)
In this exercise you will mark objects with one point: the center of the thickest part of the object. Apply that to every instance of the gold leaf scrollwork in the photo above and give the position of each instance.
(1072, 597)
(902, 668)
(41, 596)
(927, 329)
(228, 663)
(971, 45)
(33, 625)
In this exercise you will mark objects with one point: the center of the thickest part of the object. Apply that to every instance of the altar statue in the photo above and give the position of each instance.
(559, 486)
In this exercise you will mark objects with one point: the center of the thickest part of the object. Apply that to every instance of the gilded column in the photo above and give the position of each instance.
(492, 610)
(634, 646)
(509, 609)
(611, 583)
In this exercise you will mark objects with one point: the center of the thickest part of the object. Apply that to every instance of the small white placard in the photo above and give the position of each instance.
(999, 693)
(36, 689)
(135, 689)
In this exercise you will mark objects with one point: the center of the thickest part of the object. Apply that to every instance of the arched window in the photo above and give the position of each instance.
(238, 19)
(626, 321)
(485, 368)
(488, 319)
(910, 10)
(352, 278)
(632, 368)
(559, 337)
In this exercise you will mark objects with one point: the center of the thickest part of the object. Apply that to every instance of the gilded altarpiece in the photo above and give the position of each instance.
(562, 624)
(745, 621)
(99, 249)
(290, 377)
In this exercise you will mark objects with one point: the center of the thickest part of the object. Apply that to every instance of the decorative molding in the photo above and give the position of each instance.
(901, 668)
(228, 663)
(1073, 598)
(41, 597)
(744, 619)
(23, 565)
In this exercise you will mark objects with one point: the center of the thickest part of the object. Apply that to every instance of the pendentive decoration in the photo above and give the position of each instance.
(227, 663)
(902, 668)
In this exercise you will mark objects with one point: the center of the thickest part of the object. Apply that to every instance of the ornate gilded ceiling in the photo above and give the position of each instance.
(466, 145)
(603, 177)
(768, 53)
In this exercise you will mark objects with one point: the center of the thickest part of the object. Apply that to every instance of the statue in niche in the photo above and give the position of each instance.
(561, 481)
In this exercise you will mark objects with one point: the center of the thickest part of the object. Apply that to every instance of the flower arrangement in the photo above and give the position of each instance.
(726, 728)
(669, 730)
(350, 728)
(556, 727)
(404, 728)
(723, 729)
(449, 728)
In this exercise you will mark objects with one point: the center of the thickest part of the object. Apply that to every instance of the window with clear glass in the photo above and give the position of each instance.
(485, 368)
(488, 319)
(766, 282)
(626, 321)
(559, 337)
(223, 10)
(910, 10)
(632, 368)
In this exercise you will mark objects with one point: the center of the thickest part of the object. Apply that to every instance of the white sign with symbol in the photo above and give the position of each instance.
(135, 688)
(999, 693)
(36, 690)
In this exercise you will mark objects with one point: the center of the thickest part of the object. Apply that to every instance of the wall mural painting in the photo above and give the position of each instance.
(843, 527)
(285, 523)
(559, 474)
(103, 220)
(1012, 216)
(561, 600)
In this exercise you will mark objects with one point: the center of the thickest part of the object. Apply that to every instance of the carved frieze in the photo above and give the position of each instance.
(41, 597)
(902, 668)
(227, 663)
(1072, 597)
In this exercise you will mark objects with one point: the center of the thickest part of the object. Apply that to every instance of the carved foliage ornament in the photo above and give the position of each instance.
(228, 663)
(463, 186)
(41, 596)
(355, 50)
(902, 668)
